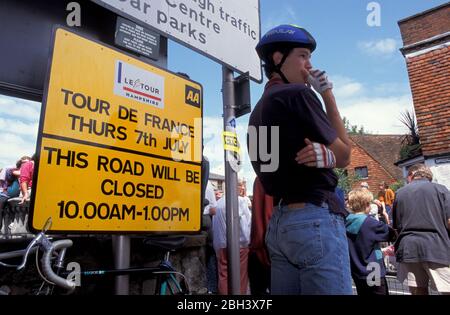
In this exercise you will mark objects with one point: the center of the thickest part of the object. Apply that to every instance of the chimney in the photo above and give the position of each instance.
(426, 48)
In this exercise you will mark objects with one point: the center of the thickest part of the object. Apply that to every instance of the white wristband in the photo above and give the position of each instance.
(325, 157)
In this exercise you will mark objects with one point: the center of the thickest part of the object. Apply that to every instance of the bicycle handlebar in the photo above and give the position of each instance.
(14, 254)
(41, 240)
(47, 269)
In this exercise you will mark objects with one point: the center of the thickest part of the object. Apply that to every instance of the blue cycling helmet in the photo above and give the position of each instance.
(289, 35)
(283, 38)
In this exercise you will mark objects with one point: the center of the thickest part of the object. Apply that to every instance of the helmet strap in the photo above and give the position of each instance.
(278, 68)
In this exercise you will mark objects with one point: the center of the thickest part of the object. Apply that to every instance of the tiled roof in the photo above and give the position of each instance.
(385, 149)
(214, 176)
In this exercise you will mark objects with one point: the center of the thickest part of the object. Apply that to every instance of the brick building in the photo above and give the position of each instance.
(426, 48)
(373, 158)
(218, 181)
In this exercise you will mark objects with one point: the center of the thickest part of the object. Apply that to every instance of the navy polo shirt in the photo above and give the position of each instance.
(298, 113)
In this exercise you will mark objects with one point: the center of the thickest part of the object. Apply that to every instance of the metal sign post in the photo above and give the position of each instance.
(121, 251)
(231, 199)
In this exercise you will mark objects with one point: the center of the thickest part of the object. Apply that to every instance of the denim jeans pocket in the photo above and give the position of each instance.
(270, 238)
(302, 243)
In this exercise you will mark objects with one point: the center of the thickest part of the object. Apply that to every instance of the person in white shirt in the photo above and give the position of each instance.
(220, 242)
(211, 197)
(243, 194)
(211, 261)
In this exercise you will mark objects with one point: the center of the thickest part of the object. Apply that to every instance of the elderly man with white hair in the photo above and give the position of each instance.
(421, 213)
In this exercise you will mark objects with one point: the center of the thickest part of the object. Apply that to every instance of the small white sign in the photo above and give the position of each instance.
(139, 85)
(225, 30)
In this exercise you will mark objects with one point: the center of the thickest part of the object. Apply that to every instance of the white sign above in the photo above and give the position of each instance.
(225, 30)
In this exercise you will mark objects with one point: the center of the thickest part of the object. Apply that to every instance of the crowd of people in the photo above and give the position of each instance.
(15, 182)
(300, 234)
(368, 227)
(316, 244)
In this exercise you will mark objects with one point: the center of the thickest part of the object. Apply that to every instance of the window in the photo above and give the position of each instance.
(362, 172)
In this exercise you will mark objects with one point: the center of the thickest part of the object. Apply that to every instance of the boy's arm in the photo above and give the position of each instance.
(381, 231)
(341, 147)
(392, 234)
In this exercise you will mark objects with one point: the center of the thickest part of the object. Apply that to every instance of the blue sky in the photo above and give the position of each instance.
(365, 64)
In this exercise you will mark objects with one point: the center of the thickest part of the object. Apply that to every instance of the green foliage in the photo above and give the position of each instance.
(397, 185)
(407, 151)
(346, 181)
(353, 129)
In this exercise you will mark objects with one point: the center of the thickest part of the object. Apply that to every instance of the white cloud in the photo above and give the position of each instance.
(382, 47)
(19, 127)
(378, 115)
(19, 120)
(345, 87)
(14, 146)
(23, 109)
(285, 15)
(376, 108)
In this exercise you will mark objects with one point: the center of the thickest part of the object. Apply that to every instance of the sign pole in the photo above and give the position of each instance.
(121, 250)
(231, 200)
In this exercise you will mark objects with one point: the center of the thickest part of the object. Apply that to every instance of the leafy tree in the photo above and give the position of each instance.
(346, 181)
(353, 129)
(346, 123)
(397, 185)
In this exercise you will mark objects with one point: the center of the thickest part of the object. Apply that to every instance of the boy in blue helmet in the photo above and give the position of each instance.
(306, 235)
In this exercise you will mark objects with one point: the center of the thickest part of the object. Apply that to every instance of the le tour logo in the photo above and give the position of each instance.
(139, 85)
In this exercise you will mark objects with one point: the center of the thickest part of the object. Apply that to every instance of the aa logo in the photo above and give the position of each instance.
(193, 96)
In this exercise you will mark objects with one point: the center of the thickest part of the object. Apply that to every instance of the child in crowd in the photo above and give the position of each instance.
(364, 234)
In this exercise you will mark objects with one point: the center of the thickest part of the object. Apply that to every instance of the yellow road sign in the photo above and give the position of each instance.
(119, 145)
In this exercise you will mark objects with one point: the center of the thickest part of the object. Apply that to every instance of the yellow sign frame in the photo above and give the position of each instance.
(119, 144)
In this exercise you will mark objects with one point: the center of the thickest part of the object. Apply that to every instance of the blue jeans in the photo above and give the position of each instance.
(309, 252)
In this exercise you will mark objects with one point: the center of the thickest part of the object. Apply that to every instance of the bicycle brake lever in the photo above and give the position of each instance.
(40, 238)
(47, 225)
(34, 242)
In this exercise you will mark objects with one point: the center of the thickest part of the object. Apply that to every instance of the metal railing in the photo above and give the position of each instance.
(397, 288)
